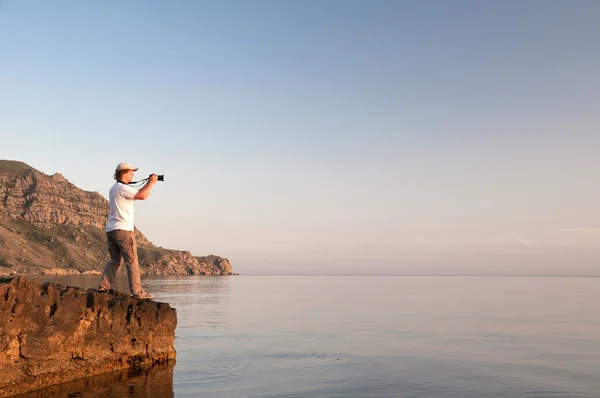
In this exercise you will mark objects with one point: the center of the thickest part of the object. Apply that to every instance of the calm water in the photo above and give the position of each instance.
(370, 336)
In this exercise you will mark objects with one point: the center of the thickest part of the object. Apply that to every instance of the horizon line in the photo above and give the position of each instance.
(436, 275)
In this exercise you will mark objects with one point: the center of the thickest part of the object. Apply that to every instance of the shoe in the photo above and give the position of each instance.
(143, 295)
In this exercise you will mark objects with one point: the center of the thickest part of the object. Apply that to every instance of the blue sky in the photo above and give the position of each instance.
(324, 136)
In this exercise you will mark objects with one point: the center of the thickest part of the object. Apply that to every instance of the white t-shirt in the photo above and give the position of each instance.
(120, 197)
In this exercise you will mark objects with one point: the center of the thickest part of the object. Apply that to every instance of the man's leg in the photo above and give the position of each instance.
(128, 245)
(112, 266)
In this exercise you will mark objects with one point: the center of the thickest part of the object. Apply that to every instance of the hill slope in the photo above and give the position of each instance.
(48, 225)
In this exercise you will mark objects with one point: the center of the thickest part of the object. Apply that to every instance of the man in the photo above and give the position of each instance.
(120, 229)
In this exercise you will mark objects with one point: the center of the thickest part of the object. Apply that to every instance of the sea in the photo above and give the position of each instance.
(326, 336)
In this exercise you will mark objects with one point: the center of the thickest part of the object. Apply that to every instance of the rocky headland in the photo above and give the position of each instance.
(49, 226)
(52, 333)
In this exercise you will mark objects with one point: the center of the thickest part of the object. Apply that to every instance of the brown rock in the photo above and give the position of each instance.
(53, 333)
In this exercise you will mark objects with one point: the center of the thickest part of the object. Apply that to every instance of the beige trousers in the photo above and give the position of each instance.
(122, 246)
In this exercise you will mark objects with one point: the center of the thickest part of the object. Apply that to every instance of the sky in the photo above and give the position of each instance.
(335, 137)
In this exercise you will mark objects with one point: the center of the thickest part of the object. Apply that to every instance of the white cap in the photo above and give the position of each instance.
(125, 166)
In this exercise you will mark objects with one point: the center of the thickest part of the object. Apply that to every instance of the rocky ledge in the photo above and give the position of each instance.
(53, 333)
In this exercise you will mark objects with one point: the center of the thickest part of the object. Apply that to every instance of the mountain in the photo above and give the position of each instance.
(49, 226)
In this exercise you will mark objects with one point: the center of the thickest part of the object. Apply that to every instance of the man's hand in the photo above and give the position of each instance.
(144, 192)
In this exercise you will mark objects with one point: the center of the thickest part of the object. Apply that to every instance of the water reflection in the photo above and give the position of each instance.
(151, 382)
(201, 301)
(354, 337)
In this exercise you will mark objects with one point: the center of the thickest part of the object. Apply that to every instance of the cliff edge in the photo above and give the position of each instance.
(53, 333)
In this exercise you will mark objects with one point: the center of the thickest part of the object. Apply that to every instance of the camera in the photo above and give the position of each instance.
(161, 177)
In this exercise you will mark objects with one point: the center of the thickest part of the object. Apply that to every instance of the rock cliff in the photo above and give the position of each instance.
(49, 226)
(52, 333)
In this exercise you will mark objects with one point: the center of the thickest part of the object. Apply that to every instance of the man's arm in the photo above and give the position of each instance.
(144, 191)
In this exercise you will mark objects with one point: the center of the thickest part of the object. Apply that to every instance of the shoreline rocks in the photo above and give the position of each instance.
(51, 333)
